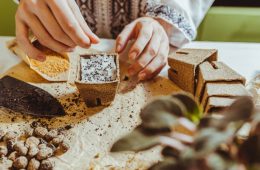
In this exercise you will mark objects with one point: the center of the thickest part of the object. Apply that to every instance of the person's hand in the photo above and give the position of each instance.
(150, 50)
(57, 24)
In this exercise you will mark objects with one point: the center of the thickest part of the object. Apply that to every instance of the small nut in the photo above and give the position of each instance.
(33, 150)
(51, 146)
(40, 132)
(44, 153)
(34, 164)
(51, 134)
(56, 141)
(47, 165)
(20, 148)
(20, 162)
(42, 146)
(32, 141)
(10, 135)
(28, 132)
(2, 134)
(64, 146)
(10, 145)
(3, 151)
(13, 156)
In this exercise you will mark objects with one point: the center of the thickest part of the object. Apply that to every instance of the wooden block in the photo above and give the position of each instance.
(216, 72)
(184, 63)
(218, 104)
(232, 90)
(98, 93)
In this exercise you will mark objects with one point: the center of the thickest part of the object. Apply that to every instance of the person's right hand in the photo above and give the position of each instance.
(57, 24)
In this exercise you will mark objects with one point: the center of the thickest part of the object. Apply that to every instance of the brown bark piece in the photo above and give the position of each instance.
(218, 104)
(233, 90)
(216, 72)
(98, 94)
(184, 63)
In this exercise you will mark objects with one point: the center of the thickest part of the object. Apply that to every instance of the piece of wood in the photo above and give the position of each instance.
(218, 104)
(216, 72)
(184, 64)
(232, 90)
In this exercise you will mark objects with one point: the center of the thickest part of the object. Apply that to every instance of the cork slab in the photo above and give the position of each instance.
(232, 90)
(184, 63)
(59, 77)
(217, 104)
(216, 72)
(98, 94)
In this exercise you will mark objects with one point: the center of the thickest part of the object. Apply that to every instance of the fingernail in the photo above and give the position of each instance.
(41, 58)
(118, 48)
(131, 71)
(133, 55)
(141, 76)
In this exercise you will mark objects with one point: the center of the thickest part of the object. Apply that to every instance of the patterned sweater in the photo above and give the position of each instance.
(180, 18)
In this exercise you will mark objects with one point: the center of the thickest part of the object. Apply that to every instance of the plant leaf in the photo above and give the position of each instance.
(194, 112)
(162, 113)
(135, 141)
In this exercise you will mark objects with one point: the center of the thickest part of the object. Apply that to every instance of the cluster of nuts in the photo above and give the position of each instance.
(34, 150)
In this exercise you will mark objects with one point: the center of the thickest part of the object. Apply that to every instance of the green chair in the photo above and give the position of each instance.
(233, 24)
(7, 17)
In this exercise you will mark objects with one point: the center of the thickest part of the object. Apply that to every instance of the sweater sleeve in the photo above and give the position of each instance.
(180, 18)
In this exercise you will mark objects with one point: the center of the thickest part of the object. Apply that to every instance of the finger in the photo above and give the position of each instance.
(75, 9)
(124, 37)
(51, 25)
(22, 34)
(69, 23)
(148, 55)
(43, 36)
(157, 64)
(145, 33)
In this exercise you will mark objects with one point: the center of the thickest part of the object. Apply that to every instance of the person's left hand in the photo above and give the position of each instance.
(150, 50)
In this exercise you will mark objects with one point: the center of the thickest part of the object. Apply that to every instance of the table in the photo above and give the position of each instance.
(242, 57)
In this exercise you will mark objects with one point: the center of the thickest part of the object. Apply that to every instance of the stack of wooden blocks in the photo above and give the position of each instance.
(213, 83)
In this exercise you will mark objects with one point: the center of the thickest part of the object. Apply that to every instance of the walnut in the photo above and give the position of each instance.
(3, 151)
(10, 135)
(44, 153)
(40, 132)
(20, 148)
(2, 134)
(34, 164)
(47, 165)
(13, 156)
(32, 141)
(51, 134)
(33, 150)
(64, 146)
(10, 144)
(20, 162)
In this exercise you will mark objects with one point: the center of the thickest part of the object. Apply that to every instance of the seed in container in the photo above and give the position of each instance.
(56, 141)
(64, 146)
(20, 148)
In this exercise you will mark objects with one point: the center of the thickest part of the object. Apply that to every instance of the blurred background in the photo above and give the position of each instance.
(227, 20)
